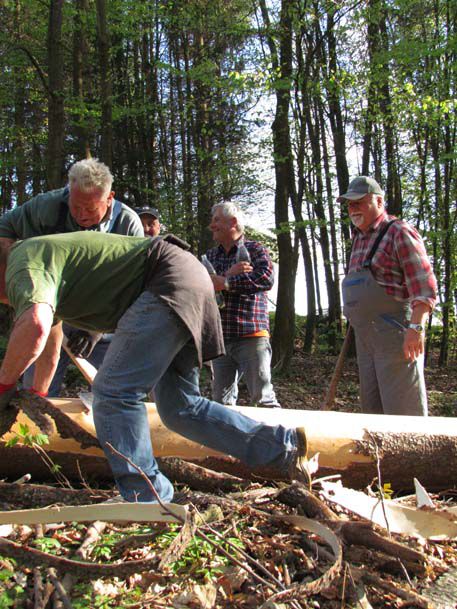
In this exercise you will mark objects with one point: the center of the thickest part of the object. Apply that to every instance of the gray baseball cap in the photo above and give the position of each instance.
(152, 211)
(359, 187)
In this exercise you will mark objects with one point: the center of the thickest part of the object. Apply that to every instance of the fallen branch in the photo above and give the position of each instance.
(60, 590)
(370, 579)
(40, 495)
(362, 534)
(35, 558)
(199, 477)
(291, 593)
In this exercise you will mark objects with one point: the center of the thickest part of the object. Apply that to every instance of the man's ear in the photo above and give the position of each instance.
(110, 198)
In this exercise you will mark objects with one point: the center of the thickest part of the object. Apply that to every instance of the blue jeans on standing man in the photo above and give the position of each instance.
(153, 349)
(249, 358)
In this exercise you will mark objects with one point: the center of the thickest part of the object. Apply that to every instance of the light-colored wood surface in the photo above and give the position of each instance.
(335, 435)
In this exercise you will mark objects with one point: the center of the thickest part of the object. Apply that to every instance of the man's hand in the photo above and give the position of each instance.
(82, 343)
(413, 344)
(238, 268)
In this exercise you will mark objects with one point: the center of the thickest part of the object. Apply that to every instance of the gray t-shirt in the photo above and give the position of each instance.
(42, 215)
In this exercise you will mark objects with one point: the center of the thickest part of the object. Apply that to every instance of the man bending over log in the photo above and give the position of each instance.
(158, 299)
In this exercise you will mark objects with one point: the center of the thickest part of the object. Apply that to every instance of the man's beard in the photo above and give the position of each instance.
(356, 219)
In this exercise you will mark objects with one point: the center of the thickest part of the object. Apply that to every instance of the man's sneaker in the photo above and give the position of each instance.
(299, 468)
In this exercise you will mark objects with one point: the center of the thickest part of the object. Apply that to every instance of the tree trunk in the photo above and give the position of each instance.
(80, 52)
(284, 330)
(106, 78)
(408, 447)
(56, 113)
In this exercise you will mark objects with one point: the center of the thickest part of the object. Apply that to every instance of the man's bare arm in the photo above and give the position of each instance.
(27, 341)
(46, 364)
(413, 342)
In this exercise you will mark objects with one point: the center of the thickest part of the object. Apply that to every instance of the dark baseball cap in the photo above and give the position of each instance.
(359, 187)
(152, 211)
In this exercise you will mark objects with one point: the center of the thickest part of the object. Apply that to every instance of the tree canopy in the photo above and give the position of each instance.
(166, 92)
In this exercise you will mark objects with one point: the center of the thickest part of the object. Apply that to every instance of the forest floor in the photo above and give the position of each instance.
(305, 386)
(197, 576)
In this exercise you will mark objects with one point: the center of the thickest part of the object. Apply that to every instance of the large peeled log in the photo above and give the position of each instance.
(348, 443)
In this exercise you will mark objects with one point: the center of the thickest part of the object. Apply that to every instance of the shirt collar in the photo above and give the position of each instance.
(106, 222)
(235, 246)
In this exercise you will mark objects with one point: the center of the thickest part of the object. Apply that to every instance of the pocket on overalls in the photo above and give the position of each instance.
(351, 291)
(390, 333)
(392, 322)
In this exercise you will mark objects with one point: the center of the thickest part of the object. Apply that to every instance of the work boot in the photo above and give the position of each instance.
(299, 468)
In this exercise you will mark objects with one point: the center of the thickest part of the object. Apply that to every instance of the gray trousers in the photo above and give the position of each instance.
(389, 383)
(249, 358)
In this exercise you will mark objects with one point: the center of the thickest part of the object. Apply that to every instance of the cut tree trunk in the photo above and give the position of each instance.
(350, 444)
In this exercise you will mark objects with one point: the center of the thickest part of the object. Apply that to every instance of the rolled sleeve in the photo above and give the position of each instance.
(419, 278)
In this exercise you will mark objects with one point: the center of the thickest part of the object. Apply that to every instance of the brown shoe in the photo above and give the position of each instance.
(299, 468)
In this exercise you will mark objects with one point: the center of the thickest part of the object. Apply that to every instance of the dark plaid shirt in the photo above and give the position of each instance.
(246, 305)
(400, 264)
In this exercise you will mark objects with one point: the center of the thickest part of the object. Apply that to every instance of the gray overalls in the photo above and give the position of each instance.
(389, 383)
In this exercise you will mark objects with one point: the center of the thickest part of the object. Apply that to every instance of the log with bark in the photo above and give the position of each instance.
(350, 444)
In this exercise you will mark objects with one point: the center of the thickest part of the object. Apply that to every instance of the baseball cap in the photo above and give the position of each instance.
(152, 211)
(359, 187)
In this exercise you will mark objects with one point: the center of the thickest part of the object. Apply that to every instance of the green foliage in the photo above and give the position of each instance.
(48, 544)
(104, 548)
(25, 437)
(12, 595)
(84, 596)
(201, 559)
(36, 441)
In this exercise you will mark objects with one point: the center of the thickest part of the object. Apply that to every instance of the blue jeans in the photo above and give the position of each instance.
(95, 358)
(249, 358)
(153, 349)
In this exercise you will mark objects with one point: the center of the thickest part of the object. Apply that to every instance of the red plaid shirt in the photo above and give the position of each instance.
(400, 264)
(246, 305)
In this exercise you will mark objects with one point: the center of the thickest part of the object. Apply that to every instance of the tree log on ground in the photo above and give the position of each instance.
(348, 443)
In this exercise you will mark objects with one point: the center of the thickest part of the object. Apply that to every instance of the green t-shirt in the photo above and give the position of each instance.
(88, 278)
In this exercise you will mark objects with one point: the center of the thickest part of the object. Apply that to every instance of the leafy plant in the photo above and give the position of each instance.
(48, 544)
(11, 593)
(36, 441)
(201, 558)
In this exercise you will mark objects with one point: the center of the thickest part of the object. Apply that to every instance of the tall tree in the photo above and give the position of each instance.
(281, 61)
(56, 97)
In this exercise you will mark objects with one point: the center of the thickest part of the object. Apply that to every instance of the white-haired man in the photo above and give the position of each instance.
(388, 294)
(86, 203)
(244, 274)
